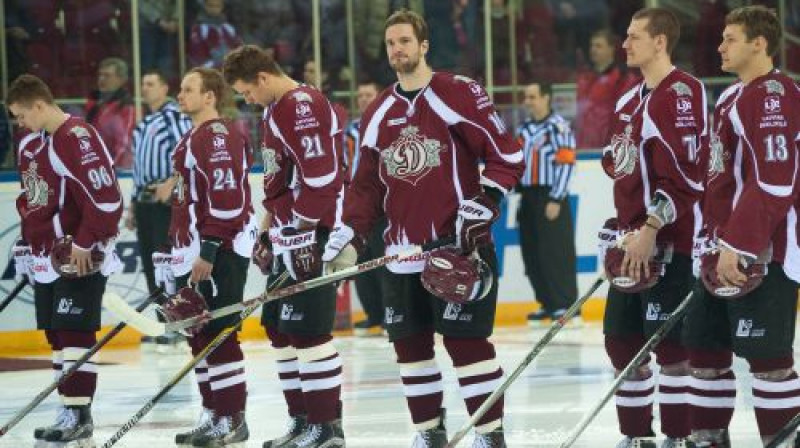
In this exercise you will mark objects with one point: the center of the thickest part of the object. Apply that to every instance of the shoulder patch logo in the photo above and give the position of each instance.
(772, 105)
(80, 132)
(270, 157)
(681, 89)
(684, 106)
(218, 128)
(412, 156)
(302, 109)
(36, 188)
(301, 96)
(625, 153)
(774, 86)
(716, 164)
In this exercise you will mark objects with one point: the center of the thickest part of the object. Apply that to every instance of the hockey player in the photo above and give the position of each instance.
(750, 260)
(302, 150)
(658, 128)
(212, 233)
(424, 137)
(69, 189)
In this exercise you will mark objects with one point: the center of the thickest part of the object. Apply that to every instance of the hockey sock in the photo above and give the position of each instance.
(422, 379)
(712, 390)
(320, 377)
(478, 376)
(79, 388)
(634, 398)
(776, 400)
(673, 388)
(57, 355)
(288, 371)
(226, 377)
(197, 344)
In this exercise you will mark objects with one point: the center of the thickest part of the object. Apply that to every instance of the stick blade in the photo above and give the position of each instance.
(126, 313)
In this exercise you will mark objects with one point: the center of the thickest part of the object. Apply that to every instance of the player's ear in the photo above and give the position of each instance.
(424, 47)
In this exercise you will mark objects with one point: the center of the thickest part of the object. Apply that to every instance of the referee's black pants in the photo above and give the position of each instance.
(152, 228)
(370, 285)
(548, 249)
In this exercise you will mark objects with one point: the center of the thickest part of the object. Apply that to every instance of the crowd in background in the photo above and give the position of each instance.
(66, 42)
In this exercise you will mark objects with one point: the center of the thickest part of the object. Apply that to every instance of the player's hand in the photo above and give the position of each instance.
(474, 222)
(201, 271)
(639, 247)
(163, 192)
(339, 252)
(552, 210)
(263, 255)
(728, 271)
(81, 260)
(130, 219)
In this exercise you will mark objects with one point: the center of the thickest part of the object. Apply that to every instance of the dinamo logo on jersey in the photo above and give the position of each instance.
(180, 188)
(270, 158)
(411, 156)
(716, 163)
(625, 154)
(36, 188)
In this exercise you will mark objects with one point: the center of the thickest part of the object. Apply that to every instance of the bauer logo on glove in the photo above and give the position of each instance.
(456, 278)
(188, 303)
(61, 257)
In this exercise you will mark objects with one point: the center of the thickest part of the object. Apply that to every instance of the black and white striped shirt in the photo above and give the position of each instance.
(154, 140)
(549, 150)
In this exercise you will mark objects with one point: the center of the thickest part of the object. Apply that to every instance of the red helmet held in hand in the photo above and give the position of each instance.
(60, 257)
(755, 273)
(621, 282)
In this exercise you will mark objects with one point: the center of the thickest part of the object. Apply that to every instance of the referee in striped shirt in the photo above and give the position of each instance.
(545, 220)
(154, 139)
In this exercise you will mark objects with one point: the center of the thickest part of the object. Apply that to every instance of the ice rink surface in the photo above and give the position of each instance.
(542, 406)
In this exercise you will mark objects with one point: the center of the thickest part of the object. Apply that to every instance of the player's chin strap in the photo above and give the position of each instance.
(152, 327)
(657, 337)
(75, 366)
(216, 342)
(555, 327)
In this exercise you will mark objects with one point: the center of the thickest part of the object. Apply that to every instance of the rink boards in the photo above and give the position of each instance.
(590, 201)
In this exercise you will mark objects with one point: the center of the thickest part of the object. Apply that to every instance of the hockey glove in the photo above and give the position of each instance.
(474, 222)
(263, 255)
(162, 270)
(340, 251)
(23, 261)
(186, 304)
(300, 253)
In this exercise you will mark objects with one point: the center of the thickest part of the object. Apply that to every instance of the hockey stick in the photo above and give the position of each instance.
(151, 327)
(216, 342)
(555, 327)
(654, 340)
(74, 367)
(785, 432)
(13, 294)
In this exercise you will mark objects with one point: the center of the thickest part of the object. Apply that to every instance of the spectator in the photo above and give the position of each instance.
(18, 29)
(705, 57)
(598, 89)
(111, 111)
(212, 36)
(574, 21)
(333, 32)
(158, 27)
(545, 220)
(269, 24)
(326, 86)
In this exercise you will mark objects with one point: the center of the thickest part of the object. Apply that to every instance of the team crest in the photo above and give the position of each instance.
(180, 188)
(681, 89)
(302, 109)
(270, 161)
(716, 163)
(625, 154)
(411, 156)
(301, 96)
(774, 86)
(36, 188)
(218, 128)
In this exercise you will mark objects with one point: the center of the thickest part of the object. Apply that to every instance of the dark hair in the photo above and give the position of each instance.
(416, 21)
(758, 20)
(661, 21)
(26, 89)
(213, 82)
(545, 88)
(120, 66)
(158, 74)
(369, 82)
(246, 62)
(611, 38)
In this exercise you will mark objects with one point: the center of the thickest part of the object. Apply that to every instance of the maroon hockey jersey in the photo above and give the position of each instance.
(752, 197)
(302, 151)
(212, 194)
(655, 143)
(68, 187)
(420, 158)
